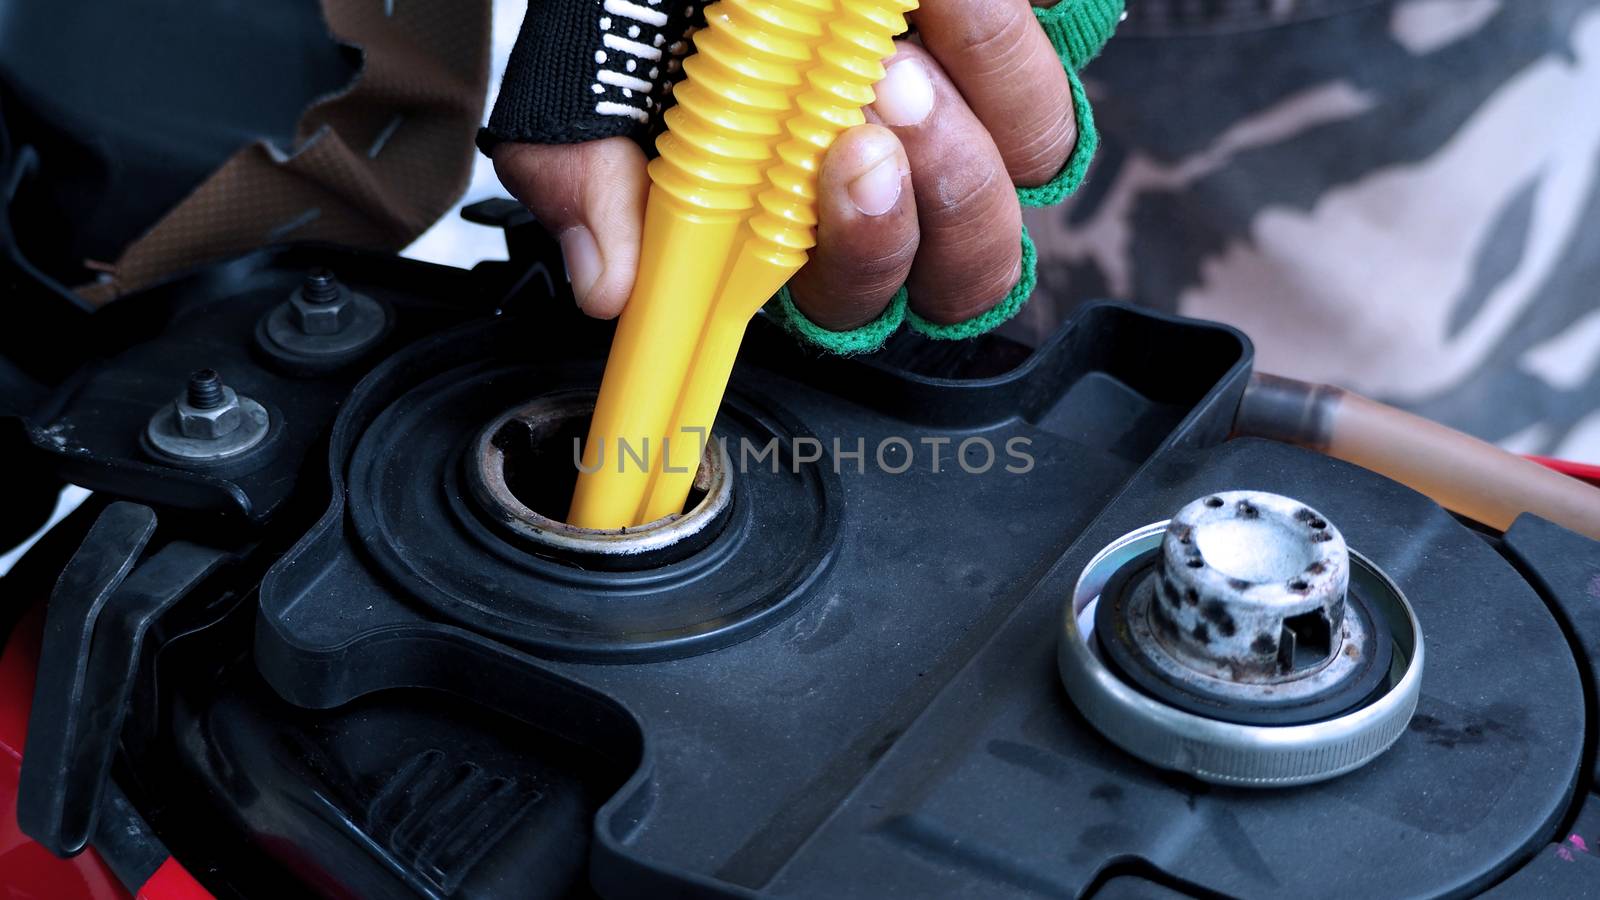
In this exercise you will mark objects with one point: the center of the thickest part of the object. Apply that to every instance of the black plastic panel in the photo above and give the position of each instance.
(861, 698)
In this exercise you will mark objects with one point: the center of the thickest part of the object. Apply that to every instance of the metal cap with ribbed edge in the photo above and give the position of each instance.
(1226, 752)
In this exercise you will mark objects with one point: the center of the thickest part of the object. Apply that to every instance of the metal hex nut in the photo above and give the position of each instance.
(208, 424)
(330, 317)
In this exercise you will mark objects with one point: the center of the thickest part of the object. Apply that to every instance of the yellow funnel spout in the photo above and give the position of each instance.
(731, 216)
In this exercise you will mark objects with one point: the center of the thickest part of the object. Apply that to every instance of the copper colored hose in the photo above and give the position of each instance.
(1471, 477)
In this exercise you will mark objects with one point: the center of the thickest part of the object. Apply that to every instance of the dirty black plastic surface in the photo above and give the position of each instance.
(1568, 867)
(65, 682)
(1565, 568)
(92, 429)
(924, 567)
(1478, 784)
(408, 479)
(92, 645)
(902, 730)
(456, 804)
(886, 722)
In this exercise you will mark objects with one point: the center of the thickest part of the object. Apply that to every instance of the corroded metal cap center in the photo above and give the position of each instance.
(1251, 587)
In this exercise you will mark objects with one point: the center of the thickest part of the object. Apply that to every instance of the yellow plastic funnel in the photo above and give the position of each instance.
(730, 218)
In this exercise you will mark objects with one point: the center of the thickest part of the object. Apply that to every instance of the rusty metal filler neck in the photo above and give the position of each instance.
(522, 465)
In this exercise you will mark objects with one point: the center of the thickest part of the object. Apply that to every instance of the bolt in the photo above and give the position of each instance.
(205, 389)
(208, 409)
(320, 286)
(321, 305)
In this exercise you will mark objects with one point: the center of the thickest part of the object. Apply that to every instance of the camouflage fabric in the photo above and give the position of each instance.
(1399, 197)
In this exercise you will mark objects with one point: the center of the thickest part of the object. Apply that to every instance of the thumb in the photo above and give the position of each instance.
(591, 197)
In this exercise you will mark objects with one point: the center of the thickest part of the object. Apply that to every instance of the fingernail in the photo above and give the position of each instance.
(582, 256)
(905, 95)
(877, 190)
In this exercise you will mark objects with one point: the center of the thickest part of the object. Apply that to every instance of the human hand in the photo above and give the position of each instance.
(923, 195)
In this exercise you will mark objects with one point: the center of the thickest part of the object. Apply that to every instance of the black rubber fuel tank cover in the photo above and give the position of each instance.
(1027, 799)
(1565, 568)
(413, 513)
(900, 726)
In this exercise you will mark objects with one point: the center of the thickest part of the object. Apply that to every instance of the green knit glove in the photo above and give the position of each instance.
(996, 315)
(1078, 29)
(1072, 174)
(864, 339)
